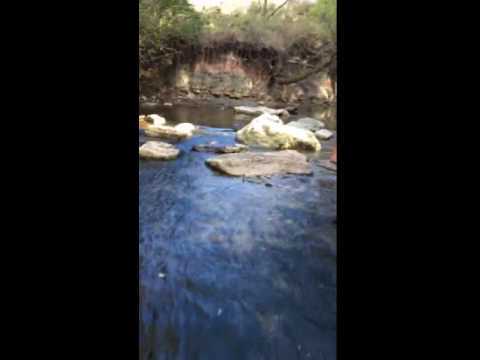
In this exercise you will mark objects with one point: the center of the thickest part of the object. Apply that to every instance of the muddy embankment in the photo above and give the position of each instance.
(236, 72)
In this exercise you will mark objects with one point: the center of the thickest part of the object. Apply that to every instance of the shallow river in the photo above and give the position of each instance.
(230, 268)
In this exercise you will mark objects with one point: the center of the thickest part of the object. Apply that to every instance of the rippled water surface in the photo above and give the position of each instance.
(232, 268)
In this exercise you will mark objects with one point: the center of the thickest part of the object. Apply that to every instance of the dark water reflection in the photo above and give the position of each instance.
(233, 269)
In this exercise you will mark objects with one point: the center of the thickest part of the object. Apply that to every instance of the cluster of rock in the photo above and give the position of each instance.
(313, 125)
(270, 132)
(155, 126)
(266, 130)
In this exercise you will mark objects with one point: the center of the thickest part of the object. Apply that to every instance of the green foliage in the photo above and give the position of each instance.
(164, 23)
(162, 20)
(325, 11)
(285, 27)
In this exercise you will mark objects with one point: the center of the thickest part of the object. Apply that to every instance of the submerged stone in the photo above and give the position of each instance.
(220, 149)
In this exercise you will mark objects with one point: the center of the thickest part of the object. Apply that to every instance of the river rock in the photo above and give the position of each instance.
(270, 133)
(167, 132)
(307, 124)
(220, 149)
(186, 128)
(157, 150)
(155, 119)
(323, 134)
(269, 117)
(259, 110)
(261, 164)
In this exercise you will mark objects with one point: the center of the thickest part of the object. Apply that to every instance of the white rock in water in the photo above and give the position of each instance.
(308, 124)
(185, 128)
(269, 117)
(168, 132)
(274, 135)
(324, 134)
(157, 150)
(156, 120)
(259, 110)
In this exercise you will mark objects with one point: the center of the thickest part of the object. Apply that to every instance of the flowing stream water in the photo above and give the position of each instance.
(232, 268)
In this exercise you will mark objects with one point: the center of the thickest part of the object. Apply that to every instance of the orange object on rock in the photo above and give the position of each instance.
(333, 158)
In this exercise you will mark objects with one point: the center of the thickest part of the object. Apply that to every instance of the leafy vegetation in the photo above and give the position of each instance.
(325, 11)
(294, 29)
(164, 21)
(163, 24)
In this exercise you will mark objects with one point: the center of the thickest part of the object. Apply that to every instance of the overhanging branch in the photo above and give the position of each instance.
(319, 68)
(278, 8)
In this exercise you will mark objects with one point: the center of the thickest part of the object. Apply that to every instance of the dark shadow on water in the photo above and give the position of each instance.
(233, 269)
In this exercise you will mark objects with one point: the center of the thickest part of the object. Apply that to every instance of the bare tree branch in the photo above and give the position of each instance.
(321, 67)
(278, 8)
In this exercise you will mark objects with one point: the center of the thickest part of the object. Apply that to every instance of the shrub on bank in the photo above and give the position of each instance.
(162, 22)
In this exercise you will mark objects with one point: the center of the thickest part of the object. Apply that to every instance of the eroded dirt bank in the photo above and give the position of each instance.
(233, 70)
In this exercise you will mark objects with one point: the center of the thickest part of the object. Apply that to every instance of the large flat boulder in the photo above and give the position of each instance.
(307, 124)
(261, 164)
(259, 110)
(268, 131)
(157, 150)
